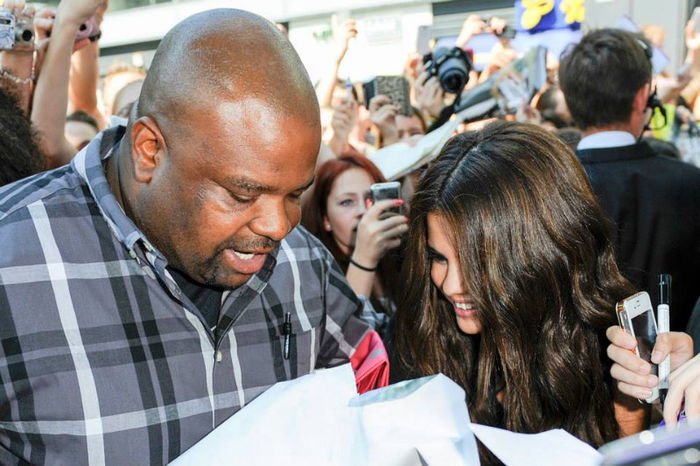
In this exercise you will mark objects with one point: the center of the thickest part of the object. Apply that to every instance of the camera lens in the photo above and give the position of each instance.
(453, 75)
(26, 35)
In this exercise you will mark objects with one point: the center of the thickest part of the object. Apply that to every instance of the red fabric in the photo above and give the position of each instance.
(370, 363)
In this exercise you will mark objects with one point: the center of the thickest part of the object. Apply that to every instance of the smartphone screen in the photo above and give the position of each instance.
(644, 329)
(388, 190)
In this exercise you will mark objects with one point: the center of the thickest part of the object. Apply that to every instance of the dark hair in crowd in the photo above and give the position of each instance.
(601, 75)
(19, 152)
(536, 258)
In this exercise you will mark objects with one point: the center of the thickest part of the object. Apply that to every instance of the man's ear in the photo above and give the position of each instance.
(641, 98)
(147, 148)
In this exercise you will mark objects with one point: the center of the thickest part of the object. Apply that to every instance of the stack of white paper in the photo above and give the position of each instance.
(319, 419)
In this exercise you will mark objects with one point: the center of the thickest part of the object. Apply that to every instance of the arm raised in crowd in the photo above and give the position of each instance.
(327, 85)
(51, 93)
(84, 76)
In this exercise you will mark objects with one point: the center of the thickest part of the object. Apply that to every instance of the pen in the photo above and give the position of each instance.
(287, 332)
(663, 311)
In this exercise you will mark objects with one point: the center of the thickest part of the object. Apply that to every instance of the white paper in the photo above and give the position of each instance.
(553, 447)
(398, 159)
(319, 419)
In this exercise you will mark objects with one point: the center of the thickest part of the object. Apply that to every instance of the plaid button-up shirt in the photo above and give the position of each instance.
(103, 360)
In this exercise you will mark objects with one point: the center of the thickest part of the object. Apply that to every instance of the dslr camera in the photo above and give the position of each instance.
(451, 66)
(14, 31)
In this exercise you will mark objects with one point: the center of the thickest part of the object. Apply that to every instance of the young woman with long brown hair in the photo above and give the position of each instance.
(510, 282)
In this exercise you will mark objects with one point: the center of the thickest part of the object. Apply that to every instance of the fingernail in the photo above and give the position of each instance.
(645, 394)
(656, 356)
(398, 202)
(644, 368)
(652, 381)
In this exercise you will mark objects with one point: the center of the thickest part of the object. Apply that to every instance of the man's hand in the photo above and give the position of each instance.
(633, 374)
(472, 26)
(429, 94)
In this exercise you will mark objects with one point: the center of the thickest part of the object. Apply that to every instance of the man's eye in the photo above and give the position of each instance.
(242, 199)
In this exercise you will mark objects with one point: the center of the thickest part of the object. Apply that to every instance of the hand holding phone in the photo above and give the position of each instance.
(636, 316)
(381, 227)
(388, 190)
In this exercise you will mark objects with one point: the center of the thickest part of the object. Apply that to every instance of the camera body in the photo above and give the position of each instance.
(89, 29)
(636, 317)
(14, 31)
(451, 66)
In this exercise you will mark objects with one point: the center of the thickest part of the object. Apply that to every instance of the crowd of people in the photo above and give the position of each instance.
(178, 240)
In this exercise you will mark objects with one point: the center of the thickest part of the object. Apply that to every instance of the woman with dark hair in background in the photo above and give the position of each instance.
(509, 283)
(337, 213)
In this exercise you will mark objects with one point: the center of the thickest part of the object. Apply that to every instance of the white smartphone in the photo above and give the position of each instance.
(636, 317)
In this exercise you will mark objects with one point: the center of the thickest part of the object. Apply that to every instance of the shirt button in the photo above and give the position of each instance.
(219, 356)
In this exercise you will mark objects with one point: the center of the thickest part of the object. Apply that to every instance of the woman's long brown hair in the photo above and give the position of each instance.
(535, 256)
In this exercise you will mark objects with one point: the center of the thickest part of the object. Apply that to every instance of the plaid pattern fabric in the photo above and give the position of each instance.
(104, 361)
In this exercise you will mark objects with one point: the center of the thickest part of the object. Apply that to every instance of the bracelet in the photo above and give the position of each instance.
(362, 267)
(16, 79)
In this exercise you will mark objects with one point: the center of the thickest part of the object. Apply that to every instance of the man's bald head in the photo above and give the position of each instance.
(225, 55)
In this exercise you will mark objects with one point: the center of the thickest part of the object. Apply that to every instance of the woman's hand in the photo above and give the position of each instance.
(383, 114)
(633, 374)
(376, 236)
(684, 386)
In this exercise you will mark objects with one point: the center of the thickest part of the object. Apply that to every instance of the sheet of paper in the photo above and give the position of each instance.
(398, 159)
(553, 447)
(319, 419)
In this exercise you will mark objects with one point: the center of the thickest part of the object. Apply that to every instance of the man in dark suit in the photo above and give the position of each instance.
(653, 200)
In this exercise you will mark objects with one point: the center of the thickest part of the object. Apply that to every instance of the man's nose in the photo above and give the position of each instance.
(273, 221)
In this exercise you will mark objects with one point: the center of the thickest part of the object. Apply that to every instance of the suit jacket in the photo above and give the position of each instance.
(654, 202)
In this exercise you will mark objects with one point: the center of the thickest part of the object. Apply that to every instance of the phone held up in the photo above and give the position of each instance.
(388, 190)
(636, 317)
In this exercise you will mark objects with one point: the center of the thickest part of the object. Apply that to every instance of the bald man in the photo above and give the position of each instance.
(144, 288)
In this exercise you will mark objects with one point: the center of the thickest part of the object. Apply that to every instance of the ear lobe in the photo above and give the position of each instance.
(147, 148)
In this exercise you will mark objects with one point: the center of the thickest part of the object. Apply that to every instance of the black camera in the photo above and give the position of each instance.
(451, 66)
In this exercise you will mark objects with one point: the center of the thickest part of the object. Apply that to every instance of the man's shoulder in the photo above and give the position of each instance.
(301, 240)
(45, 187)
(53, 206)
(639, 158)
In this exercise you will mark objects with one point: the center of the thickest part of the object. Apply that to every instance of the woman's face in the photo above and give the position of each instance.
(446, 273)
(346, 205)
